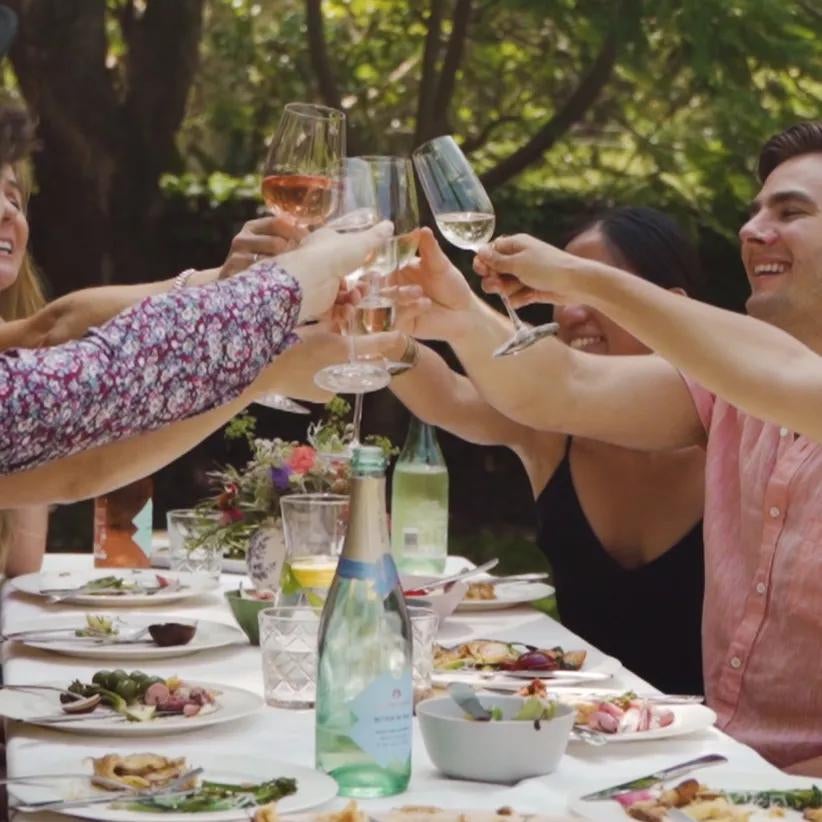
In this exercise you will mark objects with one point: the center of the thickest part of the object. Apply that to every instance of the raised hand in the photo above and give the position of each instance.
(528, 270)
(445, 293)
(264, 237)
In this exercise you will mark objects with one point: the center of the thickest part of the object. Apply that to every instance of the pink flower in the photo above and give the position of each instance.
(230, 515)
(302, 459)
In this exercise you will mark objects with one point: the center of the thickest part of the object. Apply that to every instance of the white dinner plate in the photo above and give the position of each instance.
(160, 559)
(208, 636)
(509, 594)
(313, 787)
(231, 704)
(598, 667)
(717, 778)
(687, 718)
(192, 585)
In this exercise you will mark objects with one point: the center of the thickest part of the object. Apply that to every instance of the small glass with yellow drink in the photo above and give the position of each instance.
(314, 528)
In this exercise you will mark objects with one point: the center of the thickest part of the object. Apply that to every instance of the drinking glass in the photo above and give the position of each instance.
(424, 625)
(301, 172)
(288, 642)
(374, 188)
(314, 528)
(301, 177)
(194, 542)
(465, 217)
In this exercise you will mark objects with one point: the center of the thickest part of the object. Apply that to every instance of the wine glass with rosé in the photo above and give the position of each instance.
(465, 216)
(301, 177)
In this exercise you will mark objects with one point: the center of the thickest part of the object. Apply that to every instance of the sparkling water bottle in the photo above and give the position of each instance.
(419, 503)
(364, 684)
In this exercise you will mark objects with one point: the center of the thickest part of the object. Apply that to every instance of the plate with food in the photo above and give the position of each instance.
(135, 637)
(125, 587)
(494, 663)
(488, 594)
(121, 703)
(725, 796)
(625, 716)
(153, 787)
(426, 813)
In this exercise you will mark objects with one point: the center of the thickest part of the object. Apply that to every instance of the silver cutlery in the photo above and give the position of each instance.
(169, 791)
(60, 719)
(665, 775)
(534, 576)
(444, 581)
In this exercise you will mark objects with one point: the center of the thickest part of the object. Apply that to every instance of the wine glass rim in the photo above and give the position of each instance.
(381, 158)
(315, 111)
(420, 149)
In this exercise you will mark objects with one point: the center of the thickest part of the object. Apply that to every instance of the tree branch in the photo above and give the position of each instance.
(318, 52)
(450, 64)
(479, 140)
(428, 80)
(573, 110)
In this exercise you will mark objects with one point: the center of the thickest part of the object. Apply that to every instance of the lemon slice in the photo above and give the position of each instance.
(314, 572)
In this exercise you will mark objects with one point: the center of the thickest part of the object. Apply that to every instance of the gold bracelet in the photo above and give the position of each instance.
(410, 356)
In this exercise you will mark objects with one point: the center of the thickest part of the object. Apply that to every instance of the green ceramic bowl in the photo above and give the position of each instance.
(245, 612)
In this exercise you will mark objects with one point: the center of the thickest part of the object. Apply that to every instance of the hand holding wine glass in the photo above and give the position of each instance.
(465, 217)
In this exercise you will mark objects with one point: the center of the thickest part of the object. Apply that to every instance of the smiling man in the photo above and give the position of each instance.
(748, 391)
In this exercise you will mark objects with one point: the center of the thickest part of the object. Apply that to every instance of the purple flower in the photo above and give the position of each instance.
(280, 478)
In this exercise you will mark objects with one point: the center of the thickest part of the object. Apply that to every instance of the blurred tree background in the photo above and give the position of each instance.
(153, 118)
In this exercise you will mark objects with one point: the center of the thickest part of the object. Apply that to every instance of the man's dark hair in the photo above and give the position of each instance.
(651, 244)
(803, 138)
(16, 132)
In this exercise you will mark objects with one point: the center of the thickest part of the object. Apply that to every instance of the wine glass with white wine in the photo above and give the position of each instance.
(465, 216)
(301, 178)
(381, 188)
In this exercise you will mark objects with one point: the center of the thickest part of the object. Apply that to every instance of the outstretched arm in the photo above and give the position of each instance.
(753, 365)
(28, 528)
(636, 402)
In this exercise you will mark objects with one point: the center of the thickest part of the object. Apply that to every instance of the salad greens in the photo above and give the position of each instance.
(216, 796)
(799, 799)
(97, 626)
(120, 691)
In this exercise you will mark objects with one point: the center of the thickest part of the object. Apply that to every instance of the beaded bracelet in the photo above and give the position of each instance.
(181, 280)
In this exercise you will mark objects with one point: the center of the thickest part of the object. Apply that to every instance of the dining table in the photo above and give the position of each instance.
(287, 735)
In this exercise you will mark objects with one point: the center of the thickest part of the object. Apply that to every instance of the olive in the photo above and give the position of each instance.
(138, 676)
(128, 689)
(101, 678)
(148, 682)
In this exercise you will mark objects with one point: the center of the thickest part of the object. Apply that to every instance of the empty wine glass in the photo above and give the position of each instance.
(465, 217)
(373, 189)
(301, 177)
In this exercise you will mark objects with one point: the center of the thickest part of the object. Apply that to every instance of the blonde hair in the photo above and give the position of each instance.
(22, 298)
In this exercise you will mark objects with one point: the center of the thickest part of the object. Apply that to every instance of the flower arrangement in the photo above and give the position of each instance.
(248, 497)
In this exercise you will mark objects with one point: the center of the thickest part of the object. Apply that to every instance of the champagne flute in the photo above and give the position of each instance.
(374, 189)
(465, 217)
(301, 178)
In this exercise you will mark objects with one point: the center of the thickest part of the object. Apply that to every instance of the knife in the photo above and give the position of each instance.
(652, 779)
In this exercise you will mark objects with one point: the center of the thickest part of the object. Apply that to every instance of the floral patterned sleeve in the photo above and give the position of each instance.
(166, 358)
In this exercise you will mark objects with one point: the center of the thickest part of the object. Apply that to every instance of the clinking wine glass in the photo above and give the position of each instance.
(374, 188)
(301, 178)
(465, 216)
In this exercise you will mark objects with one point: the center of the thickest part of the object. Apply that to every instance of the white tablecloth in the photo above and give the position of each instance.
(279, 734)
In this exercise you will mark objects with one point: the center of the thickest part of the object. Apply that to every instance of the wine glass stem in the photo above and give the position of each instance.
(518, 323)
(357, 421)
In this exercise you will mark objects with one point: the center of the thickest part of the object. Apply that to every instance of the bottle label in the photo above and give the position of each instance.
(383, 711)
(382, 573)
(142, 522)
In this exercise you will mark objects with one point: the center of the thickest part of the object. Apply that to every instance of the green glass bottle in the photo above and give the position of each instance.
(364, 698)
(419, 503)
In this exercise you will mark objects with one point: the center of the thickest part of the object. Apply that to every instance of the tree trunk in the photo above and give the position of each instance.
(107, 133)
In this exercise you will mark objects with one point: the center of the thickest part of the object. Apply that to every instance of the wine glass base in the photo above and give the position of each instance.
(353, 378)
(280, 403)
(524, 338)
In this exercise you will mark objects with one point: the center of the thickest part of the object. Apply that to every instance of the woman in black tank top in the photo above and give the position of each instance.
(621, 528)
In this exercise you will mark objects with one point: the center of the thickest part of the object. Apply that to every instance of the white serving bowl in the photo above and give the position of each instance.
(497, 751)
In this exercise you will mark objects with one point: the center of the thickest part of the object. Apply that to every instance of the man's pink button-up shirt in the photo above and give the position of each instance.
(762, 624)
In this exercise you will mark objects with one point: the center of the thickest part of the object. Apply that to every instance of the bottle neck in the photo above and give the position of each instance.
(421, 444)
(366, 538)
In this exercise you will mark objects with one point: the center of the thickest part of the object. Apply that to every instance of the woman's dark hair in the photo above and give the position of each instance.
(802, 138)
(649, 244)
